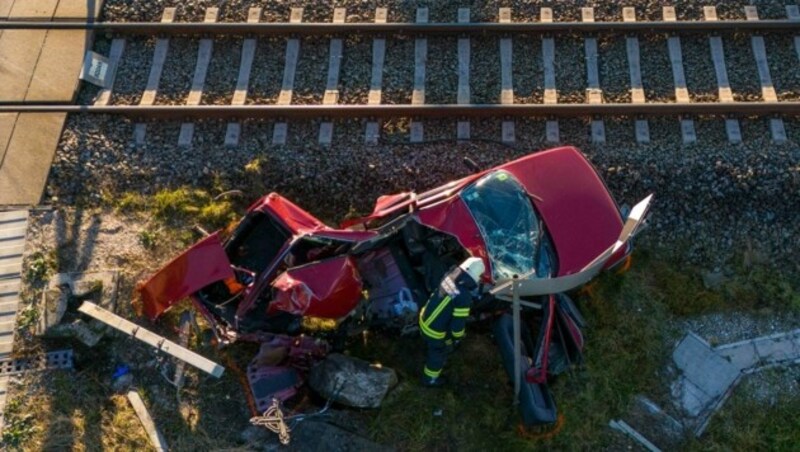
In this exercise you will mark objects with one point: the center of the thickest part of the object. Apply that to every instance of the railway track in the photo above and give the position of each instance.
(504, 32)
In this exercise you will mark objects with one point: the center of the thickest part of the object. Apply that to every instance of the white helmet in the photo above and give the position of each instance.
(474, 267)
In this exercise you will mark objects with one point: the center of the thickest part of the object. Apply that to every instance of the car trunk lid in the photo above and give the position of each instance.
(202, 264)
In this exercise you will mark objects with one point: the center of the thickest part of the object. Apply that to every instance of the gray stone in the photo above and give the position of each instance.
(61, 298)
(714, 279)
(351, 381)
(318, 435)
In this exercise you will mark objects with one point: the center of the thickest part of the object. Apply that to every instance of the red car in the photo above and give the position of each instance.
(543, 216)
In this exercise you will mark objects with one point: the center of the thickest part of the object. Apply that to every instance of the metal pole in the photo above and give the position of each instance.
(515, 307)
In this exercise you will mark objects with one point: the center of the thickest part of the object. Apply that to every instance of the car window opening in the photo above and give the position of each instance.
(507, 221)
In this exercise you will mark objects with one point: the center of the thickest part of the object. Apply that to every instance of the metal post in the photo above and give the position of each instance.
(517, 337)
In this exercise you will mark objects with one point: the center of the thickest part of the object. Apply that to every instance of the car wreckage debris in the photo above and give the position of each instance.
(280, 367)
(148, 337)
(352, 381)
(547, 217)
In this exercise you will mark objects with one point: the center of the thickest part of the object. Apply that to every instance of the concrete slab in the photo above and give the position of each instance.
(770, 350)
(19, 49)
(78, 9)
(776, 351)
(702, 364)
(19, 52)
(688, 132)
(10, 287)
(33, 9)
(7, 121)
(5, 8)
(63, 51)
(705, 378)
(743, 356)
(55, 77)
(26, 165)
(37, 66)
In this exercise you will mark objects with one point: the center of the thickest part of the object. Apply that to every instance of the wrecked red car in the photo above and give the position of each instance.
(545, 215)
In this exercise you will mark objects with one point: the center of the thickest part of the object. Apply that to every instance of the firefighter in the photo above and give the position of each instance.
(443, 319)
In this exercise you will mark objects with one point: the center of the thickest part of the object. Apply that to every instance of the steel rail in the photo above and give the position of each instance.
(320, 28)
(421, 111)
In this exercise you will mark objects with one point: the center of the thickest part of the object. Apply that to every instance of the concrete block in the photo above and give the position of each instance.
(279, 132)
(743, 356)
(232, 134)
(598, 131)
(706, 378)
(642, 131)
(776, 350)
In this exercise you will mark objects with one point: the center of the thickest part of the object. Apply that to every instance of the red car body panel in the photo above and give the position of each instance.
(300, 222)
(329, 289)
(206, 261)
(453, 217)
(582, 218)
(203, 263)
(574, 203)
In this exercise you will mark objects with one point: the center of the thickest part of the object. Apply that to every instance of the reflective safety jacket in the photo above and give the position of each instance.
(447, 309)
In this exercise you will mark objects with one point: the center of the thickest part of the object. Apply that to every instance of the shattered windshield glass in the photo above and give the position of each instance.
(507, 221)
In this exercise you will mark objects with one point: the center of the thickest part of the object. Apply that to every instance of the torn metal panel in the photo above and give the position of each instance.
(202, 264)
(328, 289)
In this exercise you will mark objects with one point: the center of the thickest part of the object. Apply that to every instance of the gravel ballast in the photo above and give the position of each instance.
(711, 196)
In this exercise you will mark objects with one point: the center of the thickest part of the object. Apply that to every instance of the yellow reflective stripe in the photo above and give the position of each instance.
(461, 312)
(437, 311)
(431, 333)
(431, 373)
(458, 334)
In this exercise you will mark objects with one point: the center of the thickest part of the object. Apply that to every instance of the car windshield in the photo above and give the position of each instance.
(508, 223)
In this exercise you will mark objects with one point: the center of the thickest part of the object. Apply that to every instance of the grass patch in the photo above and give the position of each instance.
(628, 344)
(177, 208)
(748, 422)
(40, 265)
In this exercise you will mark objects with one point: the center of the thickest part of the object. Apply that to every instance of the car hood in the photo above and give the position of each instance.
(202, 264)
(581, 217)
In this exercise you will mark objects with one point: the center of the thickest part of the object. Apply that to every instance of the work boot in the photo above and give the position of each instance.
(436, 382)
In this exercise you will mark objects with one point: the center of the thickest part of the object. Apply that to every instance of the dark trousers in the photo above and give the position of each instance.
(437, 354)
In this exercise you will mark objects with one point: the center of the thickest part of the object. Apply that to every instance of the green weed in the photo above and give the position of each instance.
(148, 238)
(40, 265)
(178, 208)
(750, 423)
(28, 317)
(19, 424)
